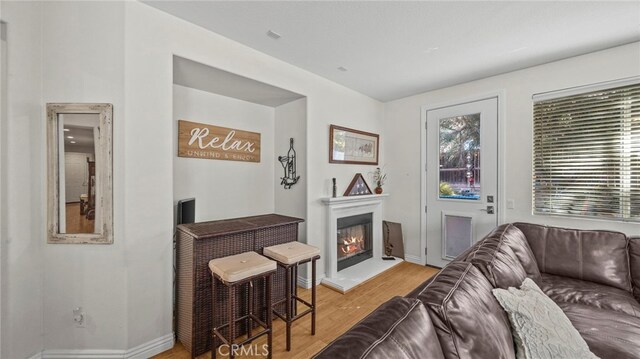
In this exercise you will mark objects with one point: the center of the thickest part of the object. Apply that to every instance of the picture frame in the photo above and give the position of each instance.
(350, 146)
(358, 186)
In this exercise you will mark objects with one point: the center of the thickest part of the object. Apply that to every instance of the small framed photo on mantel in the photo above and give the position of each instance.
(351, 146)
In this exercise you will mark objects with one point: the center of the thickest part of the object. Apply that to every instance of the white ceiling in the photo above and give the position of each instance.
(80, 128)
(206, 78)
(396, 49)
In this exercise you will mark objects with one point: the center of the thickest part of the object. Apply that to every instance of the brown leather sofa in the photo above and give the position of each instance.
(594, 276)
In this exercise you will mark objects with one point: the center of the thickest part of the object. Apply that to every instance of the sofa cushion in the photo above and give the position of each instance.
(468, 319)
(609, 334)
(563, 289)
(540, 329)
(399, 328)
(634, 261)
(517, 241)
(497, 261)
(595, 256)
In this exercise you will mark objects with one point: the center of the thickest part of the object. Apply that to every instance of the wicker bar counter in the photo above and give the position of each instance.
(197, 244)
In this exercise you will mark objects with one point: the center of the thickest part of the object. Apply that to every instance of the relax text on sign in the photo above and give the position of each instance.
(198, 140)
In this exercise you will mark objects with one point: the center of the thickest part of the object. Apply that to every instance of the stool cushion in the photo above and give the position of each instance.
(292, 252)
(241, 266)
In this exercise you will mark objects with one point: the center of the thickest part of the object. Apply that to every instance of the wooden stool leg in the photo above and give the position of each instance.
(212, 335)
(313, 297)
(288, 307)
(232, 319)
(294, 285)
(269, 315)
(249, 320)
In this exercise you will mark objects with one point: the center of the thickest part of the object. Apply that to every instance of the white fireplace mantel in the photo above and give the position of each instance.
(354, 199)
(339, 207)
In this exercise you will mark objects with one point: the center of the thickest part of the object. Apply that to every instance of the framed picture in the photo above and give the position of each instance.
(351, 146)
(358, 186)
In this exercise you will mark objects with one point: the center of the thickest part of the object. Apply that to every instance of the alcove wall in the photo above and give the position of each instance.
(224, 189)
(228, 189)
(291, 122)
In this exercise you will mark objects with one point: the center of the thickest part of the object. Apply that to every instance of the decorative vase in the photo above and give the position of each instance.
(378, 190)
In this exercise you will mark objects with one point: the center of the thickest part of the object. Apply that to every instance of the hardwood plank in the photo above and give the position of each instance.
(76, 223)
(336, 313)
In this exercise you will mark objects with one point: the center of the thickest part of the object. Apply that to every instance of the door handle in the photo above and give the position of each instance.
(489, 209)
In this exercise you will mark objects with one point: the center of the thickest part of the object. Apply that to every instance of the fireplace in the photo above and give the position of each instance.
(354, 238)
(347, 264)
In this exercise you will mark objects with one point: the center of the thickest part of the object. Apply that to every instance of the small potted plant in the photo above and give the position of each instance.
(379, 178)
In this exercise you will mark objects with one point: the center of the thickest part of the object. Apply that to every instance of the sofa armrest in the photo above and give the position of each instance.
(400, 325)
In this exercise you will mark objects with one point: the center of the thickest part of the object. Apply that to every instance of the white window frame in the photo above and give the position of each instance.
(545, 202)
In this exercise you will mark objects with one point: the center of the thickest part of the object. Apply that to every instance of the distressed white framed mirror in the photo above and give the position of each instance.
(79, 181)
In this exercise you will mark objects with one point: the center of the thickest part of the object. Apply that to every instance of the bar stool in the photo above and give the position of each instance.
(289, 256)
(234, 271)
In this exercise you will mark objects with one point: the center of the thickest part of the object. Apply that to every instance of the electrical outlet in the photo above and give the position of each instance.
(79, 318)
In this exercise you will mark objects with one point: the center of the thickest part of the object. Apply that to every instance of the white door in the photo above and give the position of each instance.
(461, 177)
(76, 175)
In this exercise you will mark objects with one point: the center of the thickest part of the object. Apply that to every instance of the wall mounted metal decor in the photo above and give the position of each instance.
(288, 163)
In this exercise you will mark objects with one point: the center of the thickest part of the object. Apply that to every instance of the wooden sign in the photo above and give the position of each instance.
(198, 140)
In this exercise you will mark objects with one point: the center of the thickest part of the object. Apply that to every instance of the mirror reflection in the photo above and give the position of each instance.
(78, 136)
(79, 182)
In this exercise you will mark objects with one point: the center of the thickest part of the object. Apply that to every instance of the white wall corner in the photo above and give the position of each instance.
(143, 351)
(414, 259)
(151, 348)
(305, 282)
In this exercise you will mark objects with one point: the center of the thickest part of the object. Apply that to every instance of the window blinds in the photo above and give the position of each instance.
(586, 154)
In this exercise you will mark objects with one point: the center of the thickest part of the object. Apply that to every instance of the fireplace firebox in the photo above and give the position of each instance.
(354, 240)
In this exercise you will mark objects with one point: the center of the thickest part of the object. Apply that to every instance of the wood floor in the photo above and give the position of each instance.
(336, 312)
(77, 223)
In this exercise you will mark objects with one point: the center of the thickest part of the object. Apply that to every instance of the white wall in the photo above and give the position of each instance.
(22, 231)
(224, 189)
(152, 38)
(3, 157)
(403, 127)
(83, 52)
(291, 122)
(121, 53)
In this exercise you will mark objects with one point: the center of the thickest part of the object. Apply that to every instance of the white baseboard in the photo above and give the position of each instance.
(306, 283)
(36, 356)
(151, 348)
(83, 354)
(143, 351)
(413, 259)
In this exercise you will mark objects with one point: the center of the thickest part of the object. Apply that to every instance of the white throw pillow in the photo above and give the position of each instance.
(540, 328)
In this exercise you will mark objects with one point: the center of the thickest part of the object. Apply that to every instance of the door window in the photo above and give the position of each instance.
(459, 157)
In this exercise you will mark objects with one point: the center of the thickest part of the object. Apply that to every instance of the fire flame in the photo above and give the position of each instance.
(352, 245)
